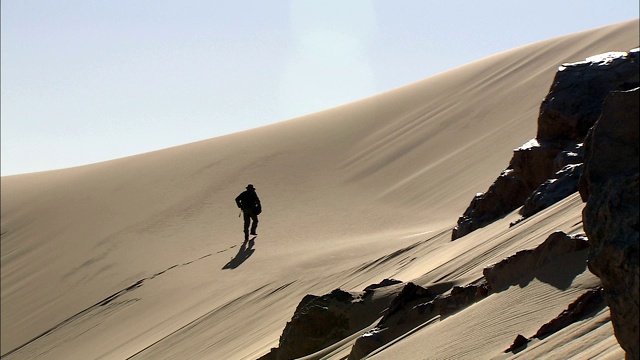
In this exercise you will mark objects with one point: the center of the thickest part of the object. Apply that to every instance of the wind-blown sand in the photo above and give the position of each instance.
(141, 257)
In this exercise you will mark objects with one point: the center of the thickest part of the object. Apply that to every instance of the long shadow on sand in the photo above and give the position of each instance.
(246, 250)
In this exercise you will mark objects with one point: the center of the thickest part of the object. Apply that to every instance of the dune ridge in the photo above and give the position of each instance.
(352, 195)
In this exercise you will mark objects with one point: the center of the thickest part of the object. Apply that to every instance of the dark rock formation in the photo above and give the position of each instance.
(610, 186)
(394, 321)
(410, 293)
(530, 166)
(518, 344)
(574, 102)
(459, 298)
(519, 268)
(586, 305)
(383, 283)
(561, 185)
(572, 106)
(320, 321)
(611, 148)
(414, 306)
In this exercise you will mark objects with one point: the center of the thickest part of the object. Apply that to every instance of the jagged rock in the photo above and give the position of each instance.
(610, 186)
(410, 293)
(585, 305)
(271, 355)
(414, 306)
(563, 184)
(519, 267)
(459, 298)
(572, 106)
(572, 154)
(611, 148)
(393, 322)
(530, 165)
(320, 321)
(574, 102)
(383, 283)
(519, 342)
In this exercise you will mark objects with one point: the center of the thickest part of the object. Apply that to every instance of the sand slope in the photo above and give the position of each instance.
(142, 255)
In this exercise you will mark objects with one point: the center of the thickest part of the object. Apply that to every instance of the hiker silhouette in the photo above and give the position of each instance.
(249, 203)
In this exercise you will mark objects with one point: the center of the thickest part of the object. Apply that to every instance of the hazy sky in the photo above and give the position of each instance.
(86, 81)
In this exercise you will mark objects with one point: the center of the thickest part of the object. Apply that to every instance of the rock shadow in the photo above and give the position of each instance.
(245, 251)
(561, 273)
(557, 261)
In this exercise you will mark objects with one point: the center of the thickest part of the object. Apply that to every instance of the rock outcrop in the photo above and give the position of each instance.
(562, 184)
(610, 187)
(538, 175)
(574, 102)
(414, 306)
(394, 322)
(320, 321)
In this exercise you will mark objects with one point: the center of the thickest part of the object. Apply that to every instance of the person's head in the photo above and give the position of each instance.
(250, 187)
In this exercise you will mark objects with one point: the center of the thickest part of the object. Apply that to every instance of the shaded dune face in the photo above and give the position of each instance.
(142, 257)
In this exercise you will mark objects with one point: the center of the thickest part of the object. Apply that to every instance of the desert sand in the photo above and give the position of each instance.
(143, 257)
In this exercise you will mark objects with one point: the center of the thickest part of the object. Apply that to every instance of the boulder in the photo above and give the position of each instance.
(519, 343)
(610, 186)
(318, 321)
(574, 102)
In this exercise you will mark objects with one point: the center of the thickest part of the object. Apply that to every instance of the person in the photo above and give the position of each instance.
(249, 203)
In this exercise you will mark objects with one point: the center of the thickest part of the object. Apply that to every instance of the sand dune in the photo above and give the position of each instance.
(141, 257)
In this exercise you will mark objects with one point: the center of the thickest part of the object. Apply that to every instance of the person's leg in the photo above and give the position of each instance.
(247, 220)
(254, 225)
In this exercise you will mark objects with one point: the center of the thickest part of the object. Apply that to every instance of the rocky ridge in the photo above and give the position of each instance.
(320, 321)
(546, 169)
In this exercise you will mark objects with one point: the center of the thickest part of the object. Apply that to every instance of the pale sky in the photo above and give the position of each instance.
(89, 81)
